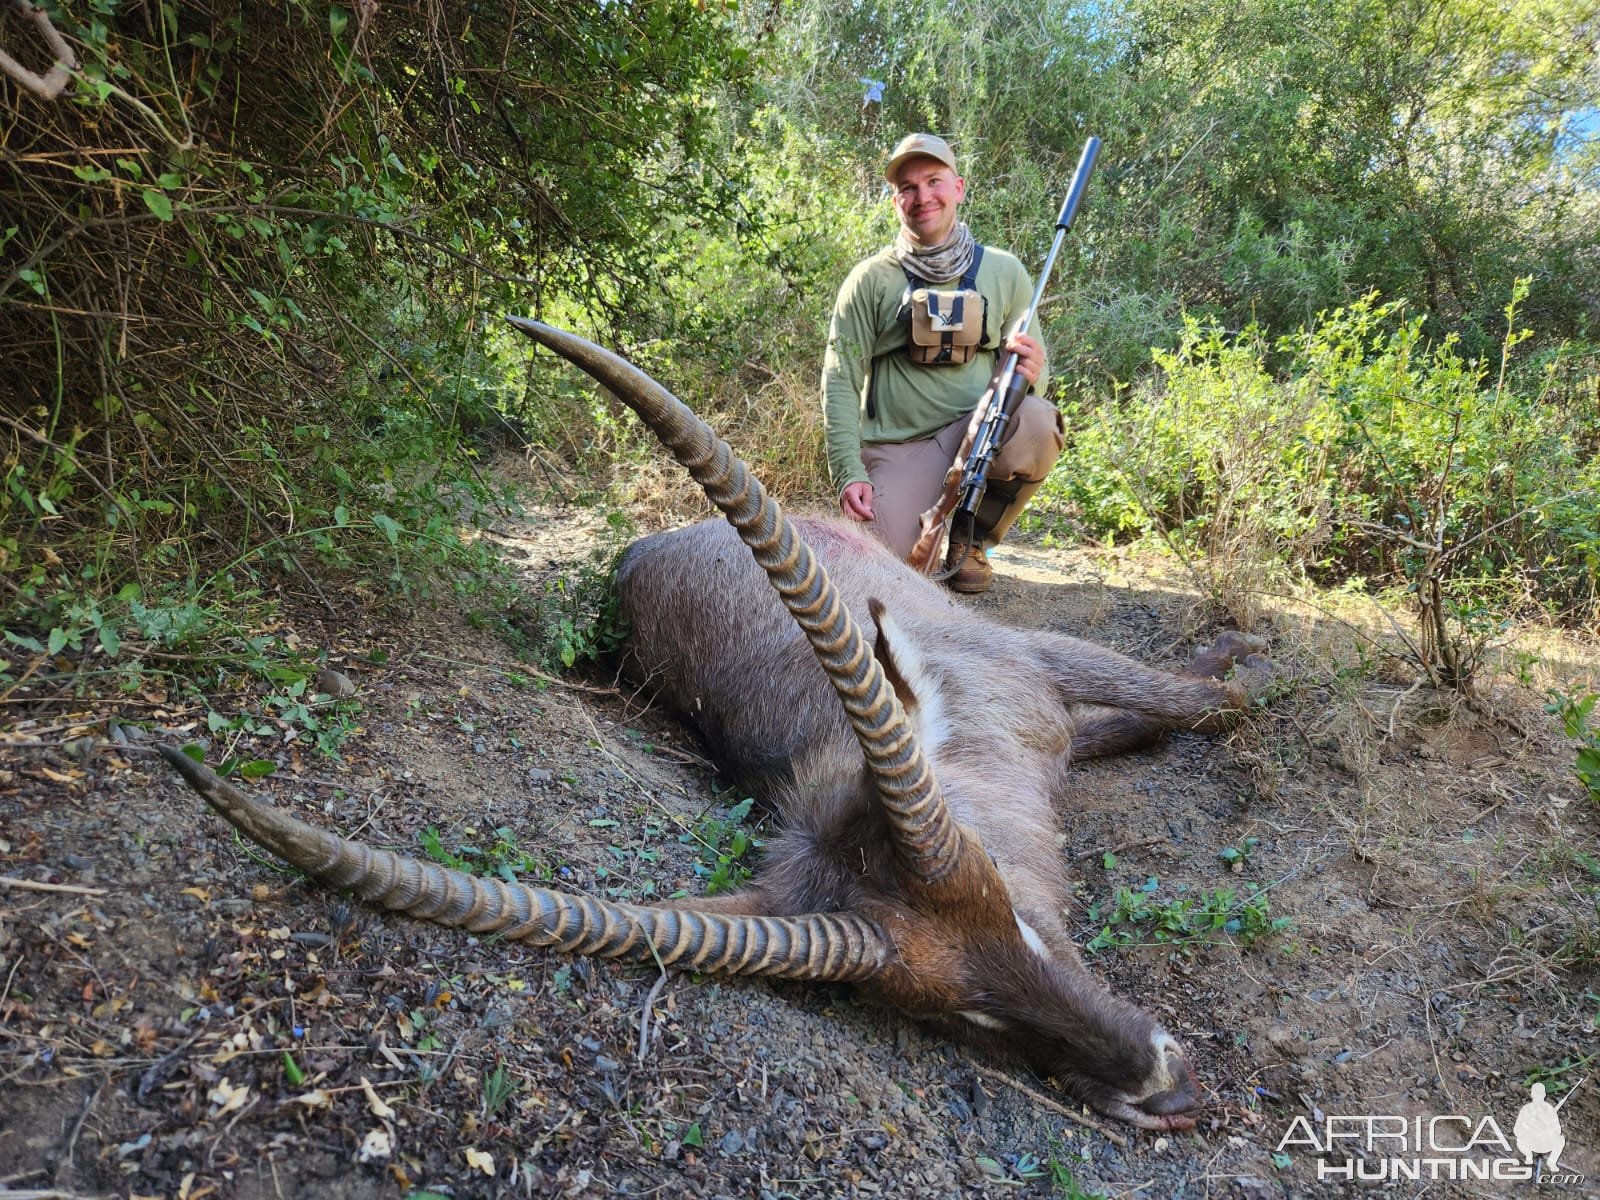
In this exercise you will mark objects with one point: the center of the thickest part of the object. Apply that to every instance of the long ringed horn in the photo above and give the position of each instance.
(836, 947)
(927, 838)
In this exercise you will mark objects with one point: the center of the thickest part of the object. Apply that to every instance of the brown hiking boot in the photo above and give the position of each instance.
(975, 574)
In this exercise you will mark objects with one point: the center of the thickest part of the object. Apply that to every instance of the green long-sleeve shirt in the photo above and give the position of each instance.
(909, 401)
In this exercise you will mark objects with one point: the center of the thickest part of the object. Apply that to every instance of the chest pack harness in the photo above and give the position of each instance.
(945, 326)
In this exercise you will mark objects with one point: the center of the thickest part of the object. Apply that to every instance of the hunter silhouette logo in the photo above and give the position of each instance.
(1538, 1128)
(1372, 1147)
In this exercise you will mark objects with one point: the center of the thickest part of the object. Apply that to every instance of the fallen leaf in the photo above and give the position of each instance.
(315, 1098)
(227, 1097)
(477, 1160)
(374, 1146)
(375, 1104)
(199, 893)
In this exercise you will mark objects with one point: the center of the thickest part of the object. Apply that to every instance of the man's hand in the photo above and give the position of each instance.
(1030, 356)
(856, 502)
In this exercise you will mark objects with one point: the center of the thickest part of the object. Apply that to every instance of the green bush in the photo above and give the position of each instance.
(1354, 449)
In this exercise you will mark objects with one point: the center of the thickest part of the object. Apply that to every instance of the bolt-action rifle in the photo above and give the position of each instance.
(957, 509)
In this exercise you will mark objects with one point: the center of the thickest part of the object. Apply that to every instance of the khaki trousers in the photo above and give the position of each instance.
(908, 476)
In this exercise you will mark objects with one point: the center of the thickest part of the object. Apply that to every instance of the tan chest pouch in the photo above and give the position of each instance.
(947, 325)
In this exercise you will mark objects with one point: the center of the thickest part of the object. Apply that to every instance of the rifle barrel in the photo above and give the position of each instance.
(1069, 210)
(1080, 183)
(975, 476)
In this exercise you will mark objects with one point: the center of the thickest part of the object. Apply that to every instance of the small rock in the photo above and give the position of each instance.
(335, 684)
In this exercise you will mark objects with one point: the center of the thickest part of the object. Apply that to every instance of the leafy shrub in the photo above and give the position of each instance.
(1355, 449)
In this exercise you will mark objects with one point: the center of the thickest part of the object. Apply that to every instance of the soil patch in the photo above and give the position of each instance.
(183, 1019)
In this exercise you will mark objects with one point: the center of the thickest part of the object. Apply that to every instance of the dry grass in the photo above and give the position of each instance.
(775, 426)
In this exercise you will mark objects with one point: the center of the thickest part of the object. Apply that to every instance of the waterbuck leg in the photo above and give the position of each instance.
(1097, 732)
(1120, 704)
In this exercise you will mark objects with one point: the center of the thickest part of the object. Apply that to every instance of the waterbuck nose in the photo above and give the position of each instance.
(1182, 1096)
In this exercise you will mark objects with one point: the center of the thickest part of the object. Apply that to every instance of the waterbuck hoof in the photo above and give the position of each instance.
(1231, 649)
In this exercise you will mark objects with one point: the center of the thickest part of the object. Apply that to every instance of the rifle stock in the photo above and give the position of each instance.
(968, 477)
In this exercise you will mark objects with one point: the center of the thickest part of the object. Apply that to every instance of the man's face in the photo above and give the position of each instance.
(926, 194)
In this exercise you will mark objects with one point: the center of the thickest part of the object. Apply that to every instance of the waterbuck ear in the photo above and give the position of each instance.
(903, 665)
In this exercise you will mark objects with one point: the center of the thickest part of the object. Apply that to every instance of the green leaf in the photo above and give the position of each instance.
(292, 1071)
(159, 203)
(694, 1137)
(26, 642)
(58, 640)
(257, 768)
(341, 515)
(390, 527)
(110, 640)
(338, 18)
(194, 752)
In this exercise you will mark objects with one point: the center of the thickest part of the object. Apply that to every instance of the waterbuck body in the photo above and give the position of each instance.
(913, 748)
(999, 711)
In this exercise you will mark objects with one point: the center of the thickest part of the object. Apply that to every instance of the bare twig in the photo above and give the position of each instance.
(77, 1129)
(49, 85)
(1054, 1106)
(1118, 849)
(644, 1013)
(523, 669)
(30, 885)
(1401, 699)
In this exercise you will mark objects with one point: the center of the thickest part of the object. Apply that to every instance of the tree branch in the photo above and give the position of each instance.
(49, 85)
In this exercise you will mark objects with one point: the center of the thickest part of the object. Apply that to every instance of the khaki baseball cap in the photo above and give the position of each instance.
(919, 145)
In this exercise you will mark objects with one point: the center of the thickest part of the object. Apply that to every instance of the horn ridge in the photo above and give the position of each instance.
(922, 832)
(841, 947)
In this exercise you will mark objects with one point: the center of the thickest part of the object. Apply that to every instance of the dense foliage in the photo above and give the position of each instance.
(248, 261)
(251, 258)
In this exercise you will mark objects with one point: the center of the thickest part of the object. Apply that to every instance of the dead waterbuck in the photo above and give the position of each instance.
(915, 775)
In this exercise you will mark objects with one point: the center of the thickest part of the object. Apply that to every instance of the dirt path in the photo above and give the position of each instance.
(181, 1019)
